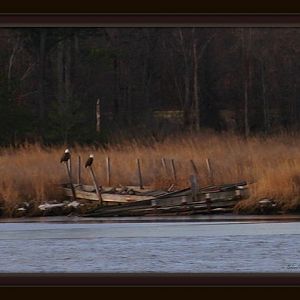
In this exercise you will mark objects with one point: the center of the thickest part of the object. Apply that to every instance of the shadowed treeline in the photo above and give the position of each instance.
(149, 81)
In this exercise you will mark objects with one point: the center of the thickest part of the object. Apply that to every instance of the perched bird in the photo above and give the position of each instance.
(89, 161)
(66, 156)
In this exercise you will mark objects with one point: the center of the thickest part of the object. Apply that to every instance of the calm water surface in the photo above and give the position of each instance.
(135, 246)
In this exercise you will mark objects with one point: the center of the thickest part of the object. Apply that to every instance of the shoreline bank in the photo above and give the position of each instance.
(196, 218)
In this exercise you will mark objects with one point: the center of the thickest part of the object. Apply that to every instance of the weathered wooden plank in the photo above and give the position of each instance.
(226, 194)
(144, 206)
(216, 205)
(91, 188)
(124, 198)
(187, 197)
(171, 210)
(106, 197)
(81, 194)
(157, 193)
(183, 192)
(110, 212)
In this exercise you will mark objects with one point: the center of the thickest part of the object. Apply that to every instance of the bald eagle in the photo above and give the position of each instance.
(66, 156)
(89, 161)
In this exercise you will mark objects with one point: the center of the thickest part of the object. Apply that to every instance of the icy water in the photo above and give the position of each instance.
(142, 247)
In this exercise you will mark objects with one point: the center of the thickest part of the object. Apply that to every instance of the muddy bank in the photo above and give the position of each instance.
(75, 210)
(49, 208)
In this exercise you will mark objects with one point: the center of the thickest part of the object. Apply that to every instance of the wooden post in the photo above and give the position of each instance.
(70, 165)
(95, 184)
(108, 176)
(98, 115)
(71, 183)
(210, 172)
(183, 200)
(79, 170)
(195, 170)
(208, 202)
(194, 187)
(174, 170)
(238, 193)
(139, 173)
(164, 165)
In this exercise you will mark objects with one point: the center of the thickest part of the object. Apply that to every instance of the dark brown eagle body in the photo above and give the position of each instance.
(89, 161)
(66, 156)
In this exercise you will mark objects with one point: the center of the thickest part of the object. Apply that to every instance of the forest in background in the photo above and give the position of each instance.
(241, 80)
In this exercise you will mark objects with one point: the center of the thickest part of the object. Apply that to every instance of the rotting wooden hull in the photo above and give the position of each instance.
(114, 196)
(148, 209)
(107, 197)
(183, 202)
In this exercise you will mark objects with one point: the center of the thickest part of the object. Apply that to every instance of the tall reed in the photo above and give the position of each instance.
(272, 166)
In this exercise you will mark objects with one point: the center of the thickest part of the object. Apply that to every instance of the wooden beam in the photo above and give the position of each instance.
(194, 167)
(70, 165)
(95, 184)
(139, 173)
(194, 187)
(108, 171)
(71, 183)
(164, 165)
(79, 170)
(107, 197)
(208, 202)
(174, 170)
(210, 171)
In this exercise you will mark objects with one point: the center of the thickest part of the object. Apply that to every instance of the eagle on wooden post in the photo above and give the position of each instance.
(88, 164)
(66, 156)
(89, 161)
(65, 159)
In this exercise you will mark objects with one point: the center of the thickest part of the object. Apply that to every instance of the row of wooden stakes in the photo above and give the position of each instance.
(89, 162)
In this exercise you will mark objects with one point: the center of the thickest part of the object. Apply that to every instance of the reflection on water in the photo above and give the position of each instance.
(197, 247)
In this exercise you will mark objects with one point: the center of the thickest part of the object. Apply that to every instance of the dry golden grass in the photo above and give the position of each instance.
(33, 172)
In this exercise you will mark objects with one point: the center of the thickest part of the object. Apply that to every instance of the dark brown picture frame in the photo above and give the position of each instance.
(140, 20)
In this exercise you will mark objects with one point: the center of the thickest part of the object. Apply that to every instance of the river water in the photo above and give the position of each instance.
(150, 245)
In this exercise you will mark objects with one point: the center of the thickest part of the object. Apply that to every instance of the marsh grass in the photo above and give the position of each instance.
(272, 166)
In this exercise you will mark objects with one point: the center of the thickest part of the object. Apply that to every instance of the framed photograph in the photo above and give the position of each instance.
(158, 149)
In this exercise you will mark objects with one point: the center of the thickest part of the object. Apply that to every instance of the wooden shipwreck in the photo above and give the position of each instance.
(141, 200)
(134, 201)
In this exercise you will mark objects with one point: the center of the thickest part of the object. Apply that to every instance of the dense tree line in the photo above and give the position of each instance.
(237, 79)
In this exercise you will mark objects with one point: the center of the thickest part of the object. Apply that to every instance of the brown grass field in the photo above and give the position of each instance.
(272, 166)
